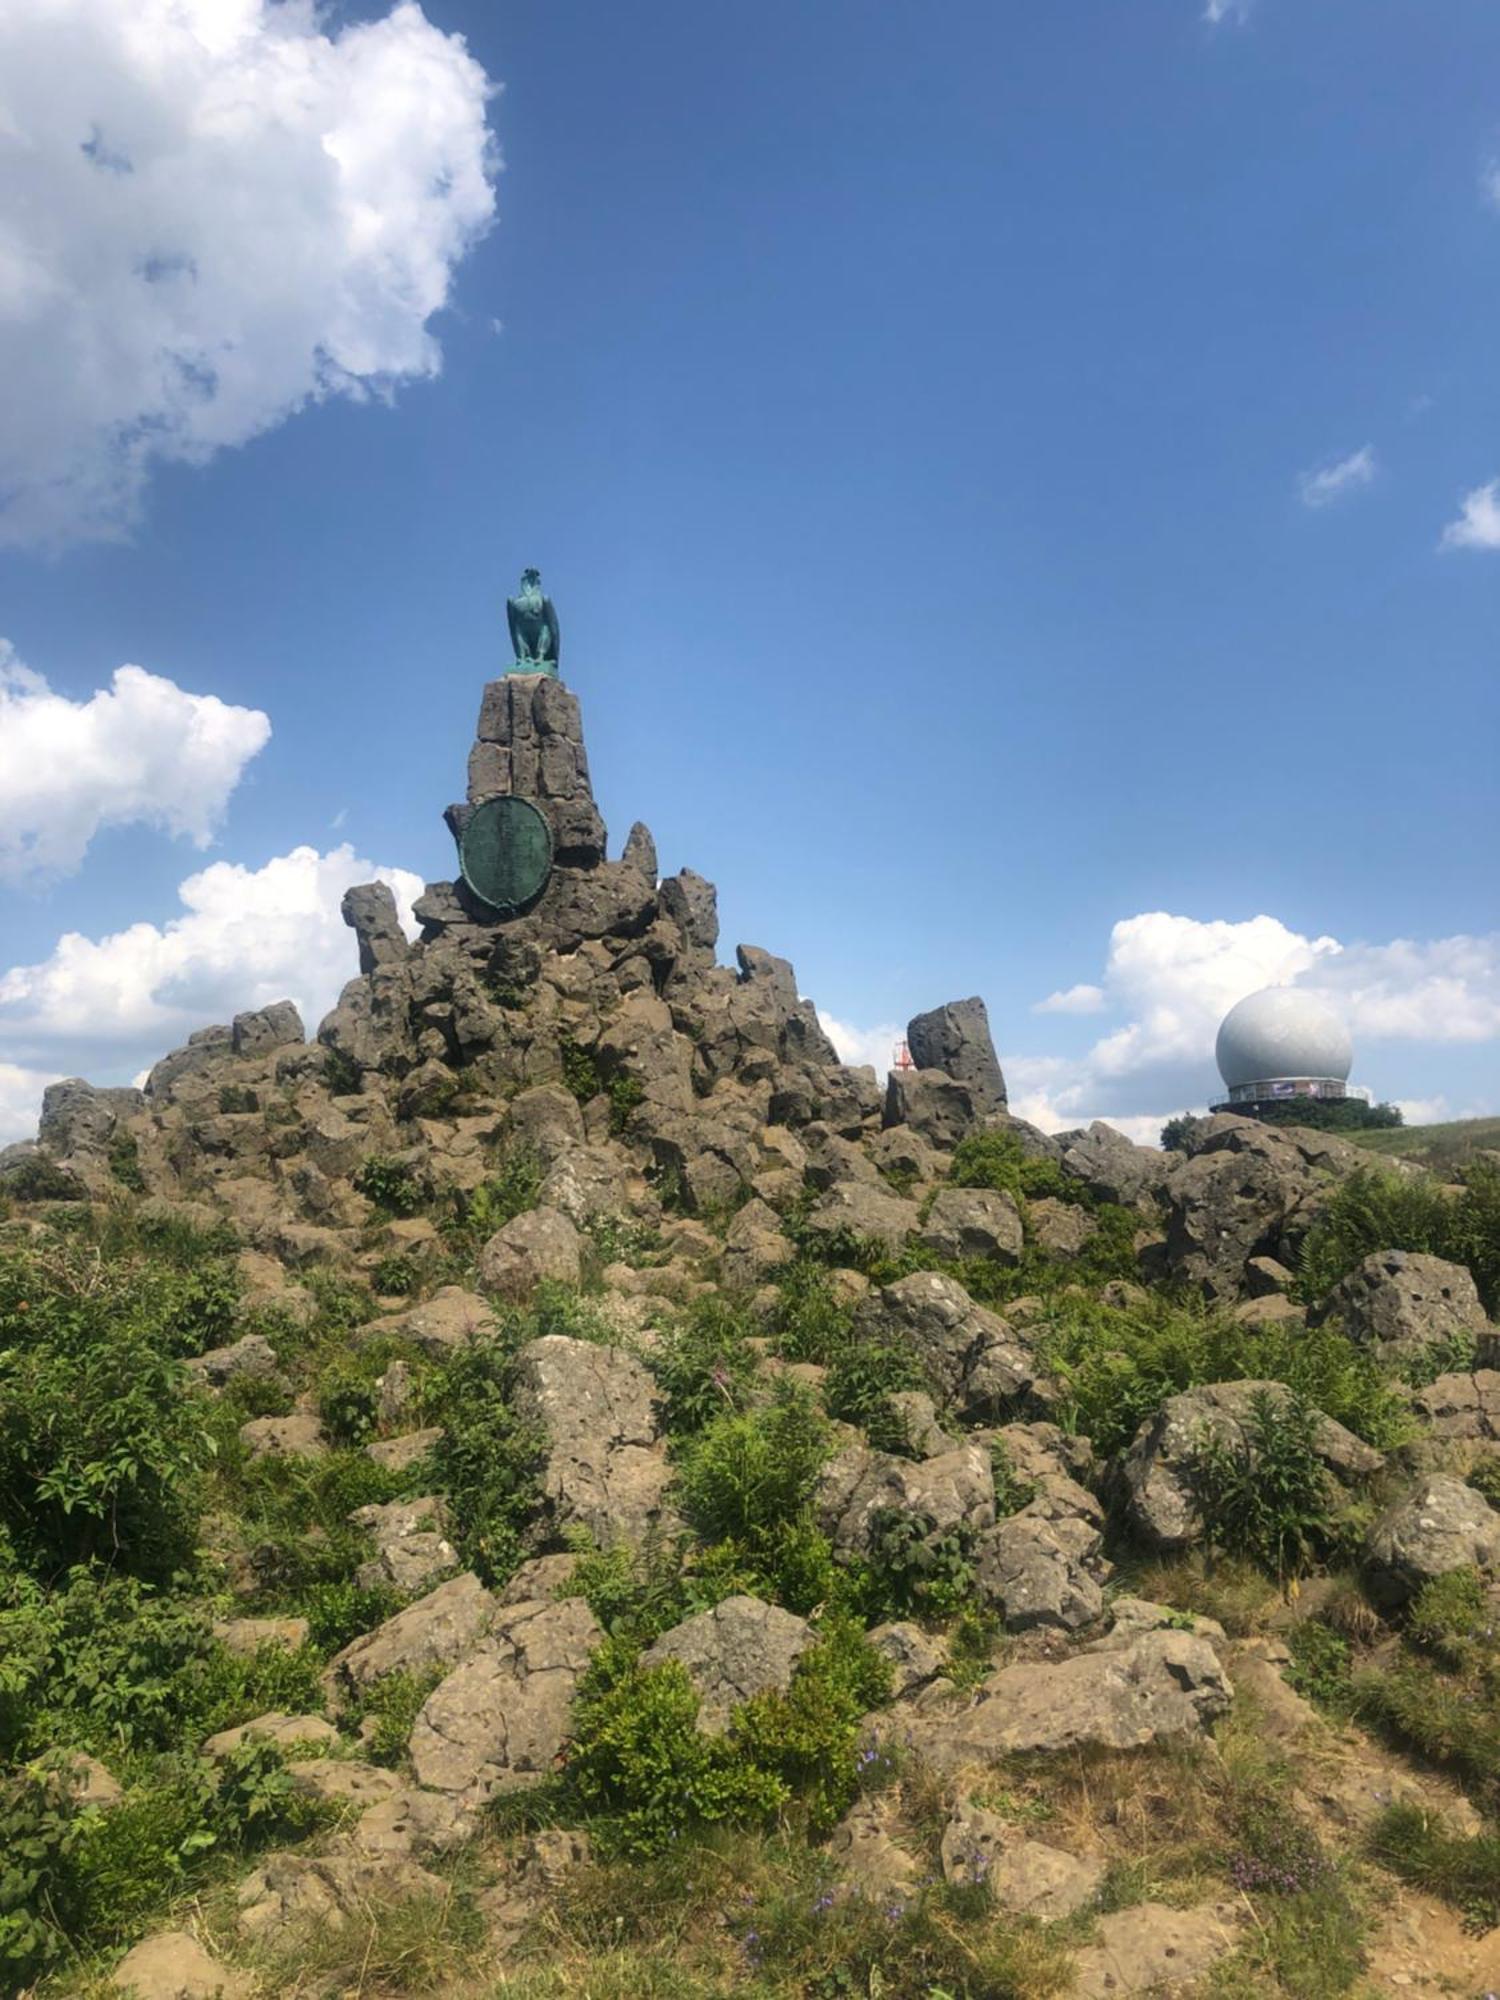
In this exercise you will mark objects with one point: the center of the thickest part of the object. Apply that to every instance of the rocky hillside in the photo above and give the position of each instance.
(558, 1487)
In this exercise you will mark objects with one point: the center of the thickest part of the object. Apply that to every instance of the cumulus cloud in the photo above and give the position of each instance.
(1171, 979)
(105, 1007)
(874, 1045)
(211, 213)
(20, 1100)
(1478, 523)
(1072, 1000)
(141, 752)
(1333, 482)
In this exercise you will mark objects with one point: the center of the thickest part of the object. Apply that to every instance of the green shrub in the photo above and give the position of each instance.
(235, 1099)
(125, 1162)
(1262, 1490)
(1119, 1364)
(348, 1401)
(580, 1071)
(809, 1323)
(101, 1443)
(1320, 1666)
(997, 1160)
(487, 1459)
(513, 1189)
(1378, 1210)
(639, 1766)
(394, 1701)
(1446, 1616)
(38, 1831)
(746, 1474)
(1012, 1493)
(397, 1275)
(703, 1365)
(918, 1567)
(391, 1185)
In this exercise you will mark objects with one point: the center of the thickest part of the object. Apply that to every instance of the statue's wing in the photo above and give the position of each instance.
(550, 610)
(511, 621)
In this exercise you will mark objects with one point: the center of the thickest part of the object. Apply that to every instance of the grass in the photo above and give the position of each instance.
(1432, 1145)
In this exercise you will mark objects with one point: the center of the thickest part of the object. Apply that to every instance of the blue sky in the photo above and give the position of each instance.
(993, 468)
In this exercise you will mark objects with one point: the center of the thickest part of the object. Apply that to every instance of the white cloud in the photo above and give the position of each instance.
(1333, 482)
(862, 1045)
(1173, 979)
(1489, 183)
(141, 752)
(21, 1100)
(1072, 1000)
(1217, 11)
(1478, 523)
(211, 213)
(105, 1007)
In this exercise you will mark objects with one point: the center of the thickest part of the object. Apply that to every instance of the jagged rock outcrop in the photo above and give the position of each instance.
(605, 1466)
(976, 1363)
(956, 1038)
(498, 1721)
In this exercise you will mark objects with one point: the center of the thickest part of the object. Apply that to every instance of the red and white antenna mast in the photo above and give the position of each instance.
(902, 1057)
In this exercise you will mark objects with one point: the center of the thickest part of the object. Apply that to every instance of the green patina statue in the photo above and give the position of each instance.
(533, 627)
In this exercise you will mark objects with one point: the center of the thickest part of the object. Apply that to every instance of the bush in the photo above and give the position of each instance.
(101, 1443)
(703, 1366)
(1375, 1210)
(997, 1160)
(391, 1185)
(514, 1188)
(487, 1459)
(1119, 1364)
(917, 1567)
(642, 1769)
(639, 1765)
(747, 1474)
(1263, 1492)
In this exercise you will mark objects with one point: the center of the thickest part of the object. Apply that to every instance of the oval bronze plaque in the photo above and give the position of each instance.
(505, 855)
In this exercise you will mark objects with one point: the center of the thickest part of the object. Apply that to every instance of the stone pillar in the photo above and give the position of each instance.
(530, 742)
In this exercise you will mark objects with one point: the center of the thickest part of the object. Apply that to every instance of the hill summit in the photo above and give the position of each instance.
(560, 1486)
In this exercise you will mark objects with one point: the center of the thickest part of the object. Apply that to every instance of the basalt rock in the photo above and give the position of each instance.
(956, 1039)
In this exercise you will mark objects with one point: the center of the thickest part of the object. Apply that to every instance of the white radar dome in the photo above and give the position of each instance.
(1282, 1032)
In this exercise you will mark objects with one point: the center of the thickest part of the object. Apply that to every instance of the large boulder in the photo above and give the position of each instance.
(858, 1486)
(266, 1029)
(956, 1038)
(866, 1212)
(293, 1897)
(936, 1106)
(1113, 1167)
(976, 1363)
(1165, 1685)
(1441, 1525)
(973, 1222)
(538, 1244)
(1155, 1474)
(605, 1467)
(82, 1118)
(450, 1319)
(1402, 1301)
(1154, 1948)
(437, 1631)
(1245, 1190)
(499, 1721)
(1462, 1406)
(1042, 1572)
(741, 1648)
